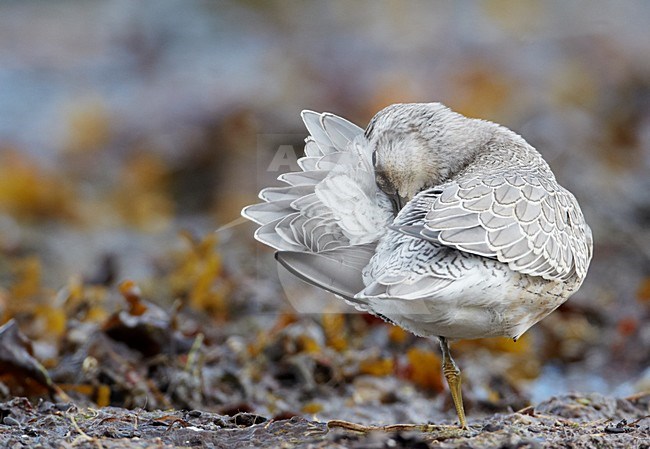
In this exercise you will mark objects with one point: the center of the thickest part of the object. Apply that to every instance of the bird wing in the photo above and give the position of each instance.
(331, 214)
(521, 218)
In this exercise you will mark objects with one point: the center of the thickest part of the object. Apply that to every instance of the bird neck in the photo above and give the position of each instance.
(462, 143)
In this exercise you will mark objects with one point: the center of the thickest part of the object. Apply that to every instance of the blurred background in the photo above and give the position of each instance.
(131, 131)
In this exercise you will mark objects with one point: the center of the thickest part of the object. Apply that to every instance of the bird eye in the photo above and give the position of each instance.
(374, 157)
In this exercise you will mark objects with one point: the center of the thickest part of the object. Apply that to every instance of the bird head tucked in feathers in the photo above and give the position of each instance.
(419, 145)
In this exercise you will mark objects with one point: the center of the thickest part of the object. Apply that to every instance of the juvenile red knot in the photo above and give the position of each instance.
(446, 226)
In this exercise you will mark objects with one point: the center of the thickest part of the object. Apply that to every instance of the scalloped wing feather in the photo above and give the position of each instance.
(537, 228)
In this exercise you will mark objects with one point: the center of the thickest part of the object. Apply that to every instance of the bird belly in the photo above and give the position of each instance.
(488, 300)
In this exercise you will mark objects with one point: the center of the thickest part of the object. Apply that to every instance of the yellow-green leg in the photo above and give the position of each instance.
(452, 374)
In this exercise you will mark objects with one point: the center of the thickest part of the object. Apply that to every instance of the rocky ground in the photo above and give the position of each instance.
(573, 421)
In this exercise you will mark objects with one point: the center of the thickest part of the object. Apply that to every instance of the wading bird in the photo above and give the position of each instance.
(446, 226)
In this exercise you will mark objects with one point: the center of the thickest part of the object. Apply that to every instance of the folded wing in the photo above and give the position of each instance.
(529, 222)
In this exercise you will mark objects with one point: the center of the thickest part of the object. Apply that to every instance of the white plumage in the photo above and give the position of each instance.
(444, 225)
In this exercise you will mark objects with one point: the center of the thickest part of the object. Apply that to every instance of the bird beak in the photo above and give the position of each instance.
(398, 202)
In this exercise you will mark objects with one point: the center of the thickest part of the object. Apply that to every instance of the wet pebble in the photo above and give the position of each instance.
(9, 421)
(247, 419)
